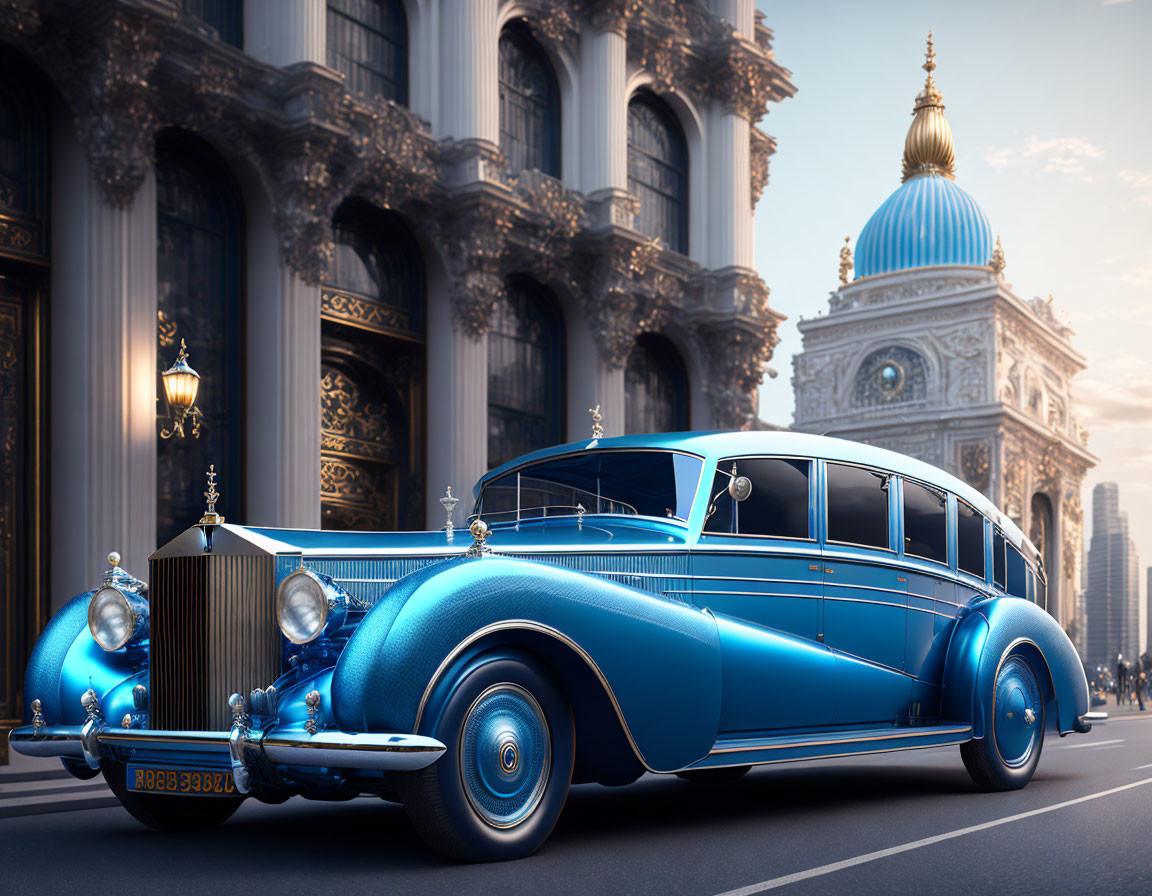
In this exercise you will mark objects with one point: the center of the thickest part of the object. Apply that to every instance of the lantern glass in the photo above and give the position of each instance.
(180, 387)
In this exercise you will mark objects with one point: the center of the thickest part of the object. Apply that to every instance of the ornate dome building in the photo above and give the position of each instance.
(928, 351)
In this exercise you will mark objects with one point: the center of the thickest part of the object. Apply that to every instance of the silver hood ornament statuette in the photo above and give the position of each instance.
(597, 421)
(211, 517)
(449, 502)
(479, 532)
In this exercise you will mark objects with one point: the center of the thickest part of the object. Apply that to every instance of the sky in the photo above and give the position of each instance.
(1053, 125)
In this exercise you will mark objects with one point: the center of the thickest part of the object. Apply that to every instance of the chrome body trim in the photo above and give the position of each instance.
(326, 749)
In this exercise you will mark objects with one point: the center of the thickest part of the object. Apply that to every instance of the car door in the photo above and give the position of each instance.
(865, 594)
(928, 554)
(757, 567)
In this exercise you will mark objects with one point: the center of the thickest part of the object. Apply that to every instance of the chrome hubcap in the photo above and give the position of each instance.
(505, 755)
(1018, 708)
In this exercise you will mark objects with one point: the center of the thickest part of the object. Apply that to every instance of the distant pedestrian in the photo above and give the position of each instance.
(1141, 682)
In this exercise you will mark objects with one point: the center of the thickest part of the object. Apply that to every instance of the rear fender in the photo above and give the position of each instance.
(995, 630)
(658, 660)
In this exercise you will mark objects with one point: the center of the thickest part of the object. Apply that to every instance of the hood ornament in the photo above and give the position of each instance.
(449, 502)
(211, 517)
(597, 421)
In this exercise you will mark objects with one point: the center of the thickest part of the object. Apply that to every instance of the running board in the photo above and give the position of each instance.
(797, 747)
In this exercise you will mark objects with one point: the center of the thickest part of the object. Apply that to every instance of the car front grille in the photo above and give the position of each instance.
(213, 632)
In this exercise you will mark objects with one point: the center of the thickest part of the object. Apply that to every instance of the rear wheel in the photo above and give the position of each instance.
(169, 813)
(1007, 756)
(500, 785)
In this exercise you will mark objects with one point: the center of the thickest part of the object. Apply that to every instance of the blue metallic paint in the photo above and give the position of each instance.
(994, 629)
(708, 647)
(667, 681)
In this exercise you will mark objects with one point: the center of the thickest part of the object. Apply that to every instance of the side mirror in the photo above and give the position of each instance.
(740, 488)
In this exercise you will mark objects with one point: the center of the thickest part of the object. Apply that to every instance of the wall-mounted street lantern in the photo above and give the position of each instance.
(181, 383)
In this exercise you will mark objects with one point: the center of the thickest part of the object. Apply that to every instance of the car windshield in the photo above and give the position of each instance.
(628, 483)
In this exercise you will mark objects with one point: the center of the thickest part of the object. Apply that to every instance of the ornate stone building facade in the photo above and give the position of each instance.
(930, 353)
(400, 238)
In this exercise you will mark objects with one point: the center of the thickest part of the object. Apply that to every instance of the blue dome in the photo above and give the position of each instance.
(928, 221)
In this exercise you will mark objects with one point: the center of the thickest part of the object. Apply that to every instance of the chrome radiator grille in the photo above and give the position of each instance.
(213, 633)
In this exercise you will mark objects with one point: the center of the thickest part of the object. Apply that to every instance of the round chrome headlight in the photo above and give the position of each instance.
(115, 618)
(303, 604)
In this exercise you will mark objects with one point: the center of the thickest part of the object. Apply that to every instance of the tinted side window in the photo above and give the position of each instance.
(969, 540)
(1017, 573)
(778, 505)
(925, 522)
(857, 505)
(999, 570)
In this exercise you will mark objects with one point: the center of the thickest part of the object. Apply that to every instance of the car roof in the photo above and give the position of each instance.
(713, 446)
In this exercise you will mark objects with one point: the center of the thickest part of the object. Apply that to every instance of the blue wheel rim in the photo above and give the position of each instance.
(505, 755)
(1018, 712)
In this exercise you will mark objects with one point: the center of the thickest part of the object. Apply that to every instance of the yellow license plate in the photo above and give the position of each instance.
(185, 781)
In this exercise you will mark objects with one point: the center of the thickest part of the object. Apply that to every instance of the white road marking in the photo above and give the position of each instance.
(1097, 743)
(917, 844)
(1149, 765)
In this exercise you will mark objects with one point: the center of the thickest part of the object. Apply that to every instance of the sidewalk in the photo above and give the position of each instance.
(33, 787)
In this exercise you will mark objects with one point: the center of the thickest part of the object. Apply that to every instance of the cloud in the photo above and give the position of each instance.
(1064, 156)
(1140, 183)
(1114, 3)
(1115, 392)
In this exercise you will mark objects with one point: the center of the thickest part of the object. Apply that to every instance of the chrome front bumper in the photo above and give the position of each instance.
(92, 742)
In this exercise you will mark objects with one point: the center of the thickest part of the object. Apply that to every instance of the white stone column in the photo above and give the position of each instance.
(592, 382)
(282, 438)
(457, 412)
(469, 88)
(730, 234)
(103, 375)
(603, 111)
(740, 14)
(283, 32)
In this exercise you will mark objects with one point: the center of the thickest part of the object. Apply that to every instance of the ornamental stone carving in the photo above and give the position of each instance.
(102, 57)
(555, 21)
(19, 17)
(761, 149)
(400, 158)
(912, 289)
(616, 307)
(552, 216)
(610, 15)
(975, 462)
(474, 234)
(736, 354)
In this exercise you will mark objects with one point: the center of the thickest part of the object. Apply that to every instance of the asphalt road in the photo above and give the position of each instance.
(850, 826)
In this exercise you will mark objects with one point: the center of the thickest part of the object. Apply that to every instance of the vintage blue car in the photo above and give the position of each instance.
(690, 604)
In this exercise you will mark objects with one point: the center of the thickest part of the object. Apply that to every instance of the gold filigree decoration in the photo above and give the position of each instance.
(165, 329)
(845, 261)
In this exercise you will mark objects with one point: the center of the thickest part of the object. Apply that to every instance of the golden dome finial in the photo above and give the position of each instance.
(929, 147)
(845, 261)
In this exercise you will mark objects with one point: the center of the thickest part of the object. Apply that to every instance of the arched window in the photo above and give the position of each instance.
(658, 171)
(368, 44)
(655, 387)
(529, 104)
(226, 16)
(525, 373)
(200, 286)
(372, 373)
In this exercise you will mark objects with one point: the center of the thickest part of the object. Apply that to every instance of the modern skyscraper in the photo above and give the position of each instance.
(1113, 593)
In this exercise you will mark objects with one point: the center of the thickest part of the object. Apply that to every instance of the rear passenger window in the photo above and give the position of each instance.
(969, 540)
(999, 561)
(857, 505)
(778, 505)
(1017, 573)
(925, 522)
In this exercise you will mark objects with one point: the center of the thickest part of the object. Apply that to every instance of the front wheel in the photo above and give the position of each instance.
(1007, 756)
(169, 813)
(500, 785)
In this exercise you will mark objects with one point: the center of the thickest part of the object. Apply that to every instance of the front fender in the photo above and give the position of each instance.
(66, 662)
(660, 660)
(990, 632)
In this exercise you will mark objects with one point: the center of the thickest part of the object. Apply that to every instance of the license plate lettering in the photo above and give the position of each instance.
(192, 782)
